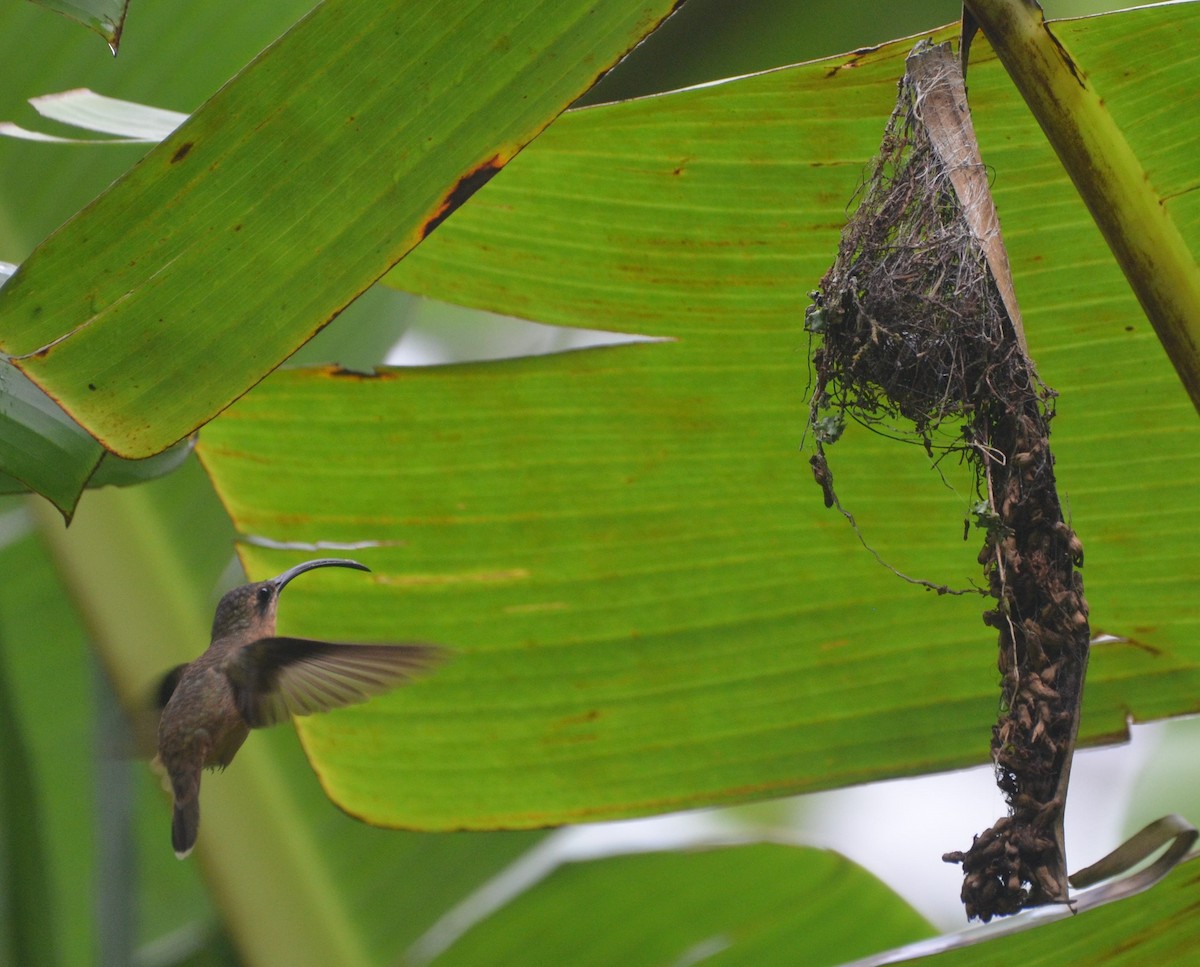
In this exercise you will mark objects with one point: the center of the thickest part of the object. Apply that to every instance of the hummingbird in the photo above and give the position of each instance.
(250, 678)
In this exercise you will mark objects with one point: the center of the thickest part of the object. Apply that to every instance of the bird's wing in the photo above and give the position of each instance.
(276, 677)
(166, 686)
(145, 716)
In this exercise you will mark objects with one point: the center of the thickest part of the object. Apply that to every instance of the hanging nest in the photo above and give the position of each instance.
(913, 324)
(912, 315)
(919, 327)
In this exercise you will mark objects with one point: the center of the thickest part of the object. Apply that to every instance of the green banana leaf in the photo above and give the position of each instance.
(734, 905)
(651, 606)
(285, 196)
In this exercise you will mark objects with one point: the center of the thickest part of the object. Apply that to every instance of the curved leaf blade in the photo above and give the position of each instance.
(287, 194)
(1157, 925)
(759, 904)
(43, 450)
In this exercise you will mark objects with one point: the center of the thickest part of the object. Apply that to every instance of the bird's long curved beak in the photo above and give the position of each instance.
(292, 572)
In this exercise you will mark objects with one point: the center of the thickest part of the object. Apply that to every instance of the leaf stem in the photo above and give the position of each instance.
(1112, 182)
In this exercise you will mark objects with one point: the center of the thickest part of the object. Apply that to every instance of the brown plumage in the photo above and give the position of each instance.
(251, 678)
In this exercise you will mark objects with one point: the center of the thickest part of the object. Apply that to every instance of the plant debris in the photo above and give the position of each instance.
(918, 323)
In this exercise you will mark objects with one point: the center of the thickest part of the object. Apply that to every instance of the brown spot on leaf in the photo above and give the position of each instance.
(181, 152)
(852, 61)
(341, 372)
(1137, 643)
(463, 189)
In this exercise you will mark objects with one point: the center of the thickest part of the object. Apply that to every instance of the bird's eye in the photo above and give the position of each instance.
(264, 596)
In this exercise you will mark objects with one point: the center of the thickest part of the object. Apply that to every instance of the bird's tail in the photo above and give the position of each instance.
(185, 824)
